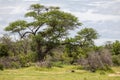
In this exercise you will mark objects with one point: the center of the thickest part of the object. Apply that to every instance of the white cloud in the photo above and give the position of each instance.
(110, 31)
(89, 15)
(102, 41)
(102, 4)
(54, 4)
(117, 0)
(0, 19)
(18, 10)
(31, 0)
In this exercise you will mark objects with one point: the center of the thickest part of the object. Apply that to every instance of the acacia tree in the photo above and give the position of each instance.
(81, 43)
(55, 22)
(86, 37)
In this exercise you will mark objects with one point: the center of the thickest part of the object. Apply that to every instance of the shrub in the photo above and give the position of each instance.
(102, 73)
(97, 60)
(23, 60)
(15, 65)
(26, 59)
(57, 64)
(46, 64)
(9, 62)
(116, 60)
(1, 67)
(3, 50)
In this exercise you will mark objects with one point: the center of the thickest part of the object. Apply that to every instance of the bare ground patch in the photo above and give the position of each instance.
(114, 74)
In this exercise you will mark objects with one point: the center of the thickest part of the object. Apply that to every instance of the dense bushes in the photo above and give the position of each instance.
(97, 60)
(19, 61)
(116, 60)
(24, 59)
(4, 50)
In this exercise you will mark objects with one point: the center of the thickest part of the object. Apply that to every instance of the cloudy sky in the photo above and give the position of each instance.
(102, 15)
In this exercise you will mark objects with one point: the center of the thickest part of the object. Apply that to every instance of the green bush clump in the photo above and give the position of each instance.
(22, 60)
(57, 64)
(116, 60)
(26, 59)
(1, 67)
(102, 73)
(3, 50)
(15, 65)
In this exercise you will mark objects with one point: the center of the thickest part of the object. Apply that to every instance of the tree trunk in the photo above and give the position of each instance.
(40, 54)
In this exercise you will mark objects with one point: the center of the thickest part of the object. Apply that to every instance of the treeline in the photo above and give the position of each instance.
(44, 42)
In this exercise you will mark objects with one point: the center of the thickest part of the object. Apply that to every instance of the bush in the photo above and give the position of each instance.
(100, 60)
(116, 60)
(1, 67)
(23, 60)
(15, 65)
(57, 64)
(3, 50)
(46, 64)
(10, 62)
(102, 73)
(26, 59)
(97, 61)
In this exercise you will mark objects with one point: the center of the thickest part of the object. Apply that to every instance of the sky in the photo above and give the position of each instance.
(102, 15)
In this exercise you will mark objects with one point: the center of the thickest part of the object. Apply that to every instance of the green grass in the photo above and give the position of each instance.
(55, 73)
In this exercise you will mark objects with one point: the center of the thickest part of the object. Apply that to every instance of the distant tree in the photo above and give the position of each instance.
(86, 37)
(108, 45)
(116, 47)
(82, 43)
(56, 26)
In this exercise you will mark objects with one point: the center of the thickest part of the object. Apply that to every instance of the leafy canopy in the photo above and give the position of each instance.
(56, 21)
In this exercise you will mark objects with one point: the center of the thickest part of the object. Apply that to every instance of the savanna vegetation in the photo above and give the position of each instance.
(44, 44)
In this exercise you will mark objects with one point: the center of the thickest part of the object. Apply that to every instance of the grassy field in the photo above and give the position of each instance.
(55, 73)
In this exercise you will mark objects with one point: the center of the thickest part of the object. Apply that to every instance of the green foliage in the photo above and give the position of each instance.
(61, 20)
(57, 64)
(86, 37)
(47, 32)
(116, 60)
(1, 67)
(116, 47)
(102, 73)
(4, 50)
(80, 45)
(15, 65)
(58, 24)
(16, 26)
(26, 59)
(36, 7)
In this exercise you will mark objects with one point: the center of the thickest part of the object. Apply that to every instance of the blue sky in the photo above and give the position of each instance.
(102, 15)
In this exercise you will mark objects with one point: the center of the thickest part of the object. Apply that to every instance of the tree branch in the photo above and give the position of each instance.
(26, 33)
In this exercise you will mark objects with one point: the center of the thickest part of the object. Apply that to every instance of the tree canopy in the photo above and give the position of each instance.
(57, 24)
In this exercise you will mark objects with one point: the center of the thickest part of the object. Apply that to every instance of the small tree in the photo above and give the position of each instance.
(81, 44)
